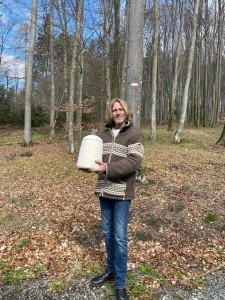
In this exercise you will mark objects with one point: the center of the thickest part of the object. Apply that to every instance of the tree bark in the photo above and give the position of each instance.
(221, 140)
(116, 52)
(107, 14)
(205, 91)
(125, 53)
(52, 67)
(64, 44)
(216, 84)
(154, 70)
(80, 62)
(73, 78)
(177, 137)
(176, 69)
(135, 57)
(29, 76)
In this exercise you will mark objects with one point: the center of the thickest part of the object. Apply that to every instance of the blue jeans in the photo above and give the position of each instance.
(115, 216)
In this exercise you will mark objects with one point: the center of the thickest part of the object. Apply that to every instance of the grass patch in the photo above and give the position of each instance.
(11, 276)
(211, 218)
(92, 270)
(149, 271)
(58, 286)
(89, 271)
(110, 292)
(15, 277)
(191, 136)
(139, 290)
(22, 244)
(144, 283)
(7, 217)
(196, 282)
(38, 269)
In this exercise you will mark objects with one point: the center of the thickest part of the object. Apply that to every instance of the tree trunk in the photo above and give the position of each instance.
(79, 30)
(29, 75)
(217, 77)
(73, 78)
(176, 67)
(177, 137)
(205, 94)
(125, 52)
(154, 70)
(221, 140)
(116, 52)
(135, 57)
(52, 66)
(64, 44)
(107, 14)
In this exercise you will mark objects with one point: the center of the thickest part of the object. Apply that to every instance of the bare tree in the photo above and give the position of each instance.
(64, 44)
(52, 67)
(206, 59)
(116, 51)
(73, 76)
(135, 57)
(107, 14)
(177, 137)
(217, 78)
(176, 58)
(221, 140)
(80, 65)
(125, 52)
(29, 76)
(154, 70)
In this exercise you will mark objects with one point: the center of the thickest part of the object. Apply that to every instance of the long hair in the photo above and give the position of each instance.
(127, 111)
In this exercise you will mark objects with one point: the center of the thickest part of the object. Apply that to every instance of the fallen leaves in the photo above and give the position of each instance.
(48, 202)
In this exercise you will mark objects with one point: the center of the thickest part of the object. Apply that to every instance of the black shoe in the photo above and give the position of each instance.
(100, 279)
(121, 294)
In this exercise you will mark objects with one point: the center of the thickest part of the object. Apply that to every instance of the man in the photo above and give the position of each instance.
(122, 156)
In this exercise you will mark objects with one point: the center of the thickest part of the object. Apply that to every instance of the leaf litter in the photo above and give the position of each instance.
(45, 200)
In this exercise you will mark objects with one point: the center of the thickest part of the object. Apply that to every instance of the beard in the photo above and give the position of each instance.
(119, 120)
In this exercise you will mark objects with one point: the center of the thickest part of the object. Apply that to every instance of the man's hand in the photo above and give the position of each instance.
(100, 169)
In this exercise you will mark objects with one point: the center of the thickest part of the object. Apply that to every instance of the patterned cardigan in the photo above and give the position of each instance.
(123, 156)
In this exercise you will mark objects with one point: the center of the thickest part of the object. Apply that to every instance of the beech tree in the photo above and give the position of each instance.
(107, 14)
(80, 65)
(29, 76)
(116, 74)
(52, 67)
(125, 53)
(154, 70)
(176, 61)
(135, 57)
(217, 76)
(221, 140)
(177, 137)
(73, 77)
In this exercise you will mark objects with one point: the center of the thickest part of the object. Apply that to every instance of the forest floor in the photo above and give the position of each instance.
(50, 224)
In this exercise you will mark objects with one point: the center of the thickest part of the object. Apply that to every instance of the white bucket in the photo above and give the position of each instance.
(91, 149)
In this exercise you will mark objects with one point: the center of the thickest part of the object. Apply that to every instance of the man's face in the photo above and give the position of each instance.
(118, 115)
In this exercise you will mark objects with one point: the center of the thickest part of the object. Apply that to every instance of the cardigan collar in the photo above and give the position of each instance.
(127, 125)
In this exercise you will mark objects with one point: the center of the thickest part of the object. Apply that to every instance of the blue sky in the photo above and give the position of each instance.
(12, 15)
(15, 15)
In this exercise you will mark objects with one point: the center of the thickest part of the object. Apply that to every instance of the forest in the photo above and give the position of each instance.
(61, 61)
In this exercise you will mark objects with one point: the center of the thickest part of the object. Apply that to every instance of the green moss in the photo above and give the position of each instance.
(211, 218)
